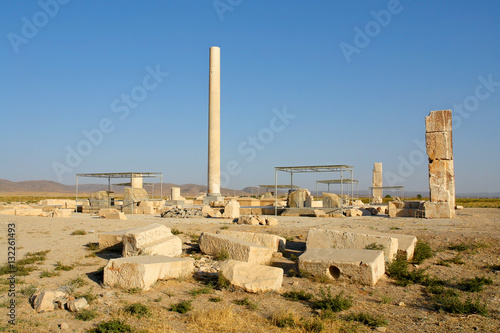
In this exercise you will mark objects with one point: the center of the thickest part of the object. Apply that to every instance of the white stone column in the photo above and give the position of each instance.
(175, 193)
(214, 124)
(377, 182)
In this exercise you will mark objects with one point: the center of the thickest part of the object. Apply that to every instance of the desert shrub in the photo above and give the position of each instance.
(283, 320)
(79, 232)
(375, 246)
(246, 302)
(222, 255)
(47, 273)
(300, 295)
(176, 232)
(202, 290)
(112, 326)
(215, 299)
(92, 246)
(137, 309)
(181, 307)
(474, 285)
(366, 319)
(86, 314)
(61, 267)
(314, 325)
(336, 303)
(422, 251)
(452, 304)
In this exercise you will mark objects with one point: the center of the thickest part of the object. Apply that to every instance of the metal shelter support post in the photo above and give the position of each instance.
(275, 192)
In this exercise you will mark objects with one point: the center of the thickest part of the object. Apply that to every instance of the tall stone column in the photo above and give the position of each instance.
(213, 193)
(438, 139)
(377, 182)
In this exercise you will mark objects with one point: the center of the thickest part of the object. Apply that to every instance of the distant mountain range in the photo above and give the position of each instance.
(47, 187)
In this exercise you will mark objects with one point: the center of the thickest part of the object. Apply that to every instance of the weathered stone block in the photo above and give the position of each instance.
(251, 277)
(112, 238)
(353, 212)
(143, 271)
(360, 266)
(29, 212)
(440, 210)
(331, 200)
(438, 121)
(170, 246)
(138, 237)
(439, 145)
(46, 301)
(274, 242)
(77, 304)
(63, 212)
(237, 249)
(155, 239)
(298, 198)
(232, 210)
(248, 219)
(319, 213)
(325, 239)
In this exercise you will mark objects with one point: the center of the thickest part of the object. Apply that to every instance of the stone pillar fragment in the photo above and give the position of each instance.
(377, 182)
(439, 144)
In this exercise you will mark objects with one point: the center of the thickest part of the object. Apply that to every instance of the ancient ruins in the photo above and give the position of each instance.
(152, 253)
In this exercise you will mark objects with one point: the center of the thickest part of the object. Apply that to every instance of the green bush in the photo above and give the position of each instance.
(112, 326)
(332, 303)
(453, 304)
(422, 251)
(137, 309)
(475, 285)
(86, 315)
(181, 307)
(300, 295)
(366, 319)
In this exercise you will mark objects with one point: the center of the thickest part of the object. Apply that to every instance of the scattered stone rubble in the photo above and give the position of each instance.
(182, 213)
(50, 300)
(257, 220)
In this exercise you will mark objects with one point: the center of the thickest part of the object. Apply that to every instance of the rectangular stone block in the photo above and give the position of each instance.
(111, 238)
(143, 271)
(63, 212)
(251, 277)
(274, 242)
(237, 249)
(438, 121)
(402, 212)
(29, 212)
(170, 246)
(440, 210)
(138, 237)
(325, 239)
(356, 265)
(439, 145)
(8, 211)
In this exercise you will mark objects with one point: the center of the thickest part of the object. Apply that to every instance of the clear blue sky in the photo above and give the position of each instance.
(358, 76)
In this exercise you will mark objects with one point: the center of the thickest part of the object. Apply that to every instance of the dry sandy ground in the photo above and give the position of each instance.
(405, 308)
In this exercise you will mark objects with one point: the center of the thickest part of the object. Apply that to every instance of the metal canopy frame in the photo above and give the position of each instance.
(338, 181)
(371, 188)
(112, 175)
(313, 168)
